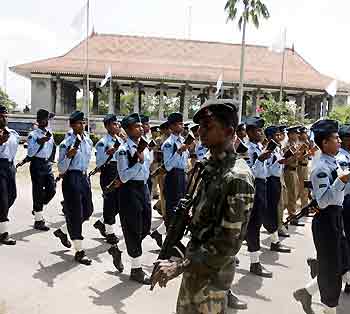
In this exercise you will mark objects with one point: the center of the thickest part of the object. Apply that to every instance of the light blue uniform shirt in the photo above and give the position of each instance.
(274, 168)
(81, 160)
(326, 191)
(33, 145)
(200, 151)
(343, 159)
(102, 146)
(139, 171)
(259, 168)
(8, 149)
(174, 160)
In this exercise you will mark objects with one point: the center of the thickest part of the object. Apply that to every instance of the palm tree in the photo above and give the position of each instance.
(252, 11)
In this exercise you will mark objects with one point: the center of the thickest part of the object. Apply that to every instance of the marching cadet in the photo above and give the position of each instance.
(157, 160)
(165, 131)
(146, 127)
(302, 168)
(328, 191)
(291, 176)
(241, 132)
(41, 147)
(258, 163)
(74, 157)
(200, 150)
(9, 140)
(135, 204)
(274, 188)
(226, 193)
(175, 156)
(106, 147)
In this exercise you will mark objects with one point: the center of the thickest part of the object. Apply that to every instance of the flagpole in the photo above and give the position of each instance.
(87, 65)
(283, 63)
(111, 109)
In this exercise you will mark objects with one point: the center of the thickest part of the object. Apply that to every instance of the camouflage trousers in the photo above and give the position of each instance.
(205, 300)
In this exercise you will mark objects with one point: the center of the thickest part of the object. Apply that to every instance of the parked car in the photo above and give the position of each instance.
(22, 128)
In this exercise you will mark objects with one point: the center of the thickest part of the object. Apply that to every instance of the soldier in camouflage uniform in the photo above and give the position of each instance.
(220, 211)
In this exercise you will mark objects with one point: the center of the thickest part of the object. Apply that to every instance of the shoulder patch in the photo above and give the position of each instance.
(122, 153)
(322, 186)
(167, 145)
(322, 175)
(63, 146)
(100, 144)
(30, 137)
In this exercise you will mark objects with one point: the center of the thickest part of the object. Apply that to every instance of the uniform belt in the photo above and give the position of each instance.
(135, 183)
(5, 162)
(40, 159)
(83, 173)
(176, 170)
(260, 180)
(113, 162)
(290, 168)
(304, 165)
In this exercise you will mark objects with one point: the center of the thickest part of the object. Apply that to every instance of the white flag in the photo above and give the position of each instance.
(331, 89)
(79, 21)
(107, 77)
(219, 85)
(279, 43)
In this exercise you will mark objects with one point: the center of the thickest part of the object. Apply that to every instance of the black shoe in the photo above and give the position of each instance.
(40, 225)
(237, 261)
(158, 237)
(112, 239)
(156, 197)
(81, 258)
(259, 270)
(305, 299)
(278, 247)
(295, 222)
(347, 289)
(283, 234)
(234, 303)
(100, 227)
(138, 275)
(313, 264)
(6, 240)
(63, 237)
(117, 258)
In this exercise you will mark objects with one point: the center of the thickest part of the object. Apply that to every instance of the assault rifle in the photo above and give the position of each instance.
(98, 169)
(27, 159)
(180, 221)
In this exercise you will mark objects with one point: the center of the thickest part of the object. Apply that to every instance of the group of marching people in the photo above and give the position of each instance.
(133, 171)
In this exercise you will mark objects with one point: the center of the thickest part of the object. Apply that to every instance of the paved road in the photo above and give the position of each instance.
(38, 276)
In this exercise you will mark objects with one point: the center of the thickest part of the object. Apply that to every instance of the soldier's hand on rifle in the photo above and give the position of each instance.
(265, 155)
(72, 152)
(165, 272)
(183, 148)
(283, 161)
(141, 157)
(344, 178)
(111, 151)
(117, 183)
(43, 140)
(4, 136)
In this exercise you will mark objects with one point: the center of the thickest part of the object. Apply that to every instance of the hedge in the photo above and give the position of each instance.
(59, 137)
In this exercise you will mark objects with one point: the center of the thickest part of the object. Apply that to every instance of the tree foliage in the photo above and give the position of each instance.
(340, 113)
(6, 101)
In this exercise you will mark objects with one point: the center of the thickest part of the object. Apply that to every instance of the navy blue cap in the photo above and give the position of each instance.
(344, 130)
(283, 128)
(175, 117)
(109, 118)
(155, 128)
(194, 128)
(76, 116)
(326, 126)
(294, 129)
(221, 108)
(271, 130)
(303, 129)
(144, 119)
(241, 126)
(3, 109)
(42, 114)
(254, 122)
(164, 125)
(131, 119)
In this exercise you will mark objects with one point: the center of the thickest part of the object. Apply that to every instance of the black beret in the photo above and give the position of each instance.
(194, 128)
(241, 126)
(131, 119)
(155, 128)
(294, 129)
(221, 108)
(303, 129)
(283, 128)
(271, 130)
(76, 116)
(3, 109)
(344, 130)
(164, 125)
(144, 119)
(326, 126)
(42, 114)
(175, 117)
(254, 122)
(109, 118)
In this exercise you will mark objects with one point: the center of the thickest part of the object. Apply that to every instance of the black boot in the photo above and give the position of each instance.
(63, 237)
(234, 303)
(6, 240)
(295, 222)
(100, 227)
(305, 299)
(40, 225)
(117, 258)
(278, 247)
(138, 275)
(347, 289)
(112, 239)
(158, 237)
(259, 270)
(81, 258)
(313, 264)
(237, 261)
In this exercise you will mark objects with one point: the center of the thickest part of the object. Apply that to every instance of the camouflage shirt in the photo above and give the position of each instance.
(220, 212)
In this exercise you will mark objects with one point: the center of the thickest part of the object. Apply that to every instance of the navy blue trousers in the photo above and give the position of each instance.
(8, 191)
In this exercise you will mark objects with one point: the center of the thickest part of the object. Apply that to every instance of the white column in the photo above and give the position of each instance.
(187, 102)
(111, 107)
(302, 106)
(161, 104)
(59, 96)
(136, 97)
(85, 97)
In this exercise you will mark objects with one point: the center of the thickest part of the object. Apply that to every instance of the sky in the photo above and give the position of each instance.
(35, 29)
